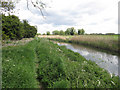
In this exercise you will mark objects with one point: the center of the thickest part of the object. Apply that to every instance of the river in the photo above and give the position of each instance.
(104, 60)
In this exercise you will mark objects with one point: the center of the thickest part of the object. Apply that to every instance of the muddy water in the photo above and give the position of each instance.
(107, 61)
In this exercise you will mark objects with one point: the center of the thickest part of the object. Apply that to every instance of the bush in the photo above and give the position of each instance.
(14, 29)
(11, 27)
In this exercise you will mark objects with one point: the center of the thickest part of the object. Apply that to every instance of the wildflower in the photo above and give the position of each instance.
(98, 82)
(7, 60)
(85, 62)
(112, 82)
(83, 70)
(111, 75)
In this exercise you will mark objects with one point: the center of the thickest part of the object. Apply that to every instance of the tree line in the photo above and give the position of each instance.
(69, 31)
(14, 29)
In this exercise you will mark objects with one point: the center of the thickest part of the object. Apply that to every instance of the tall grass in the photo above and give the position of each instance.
(62, 68)
(53, 66)
(18, 66)
(107, 42)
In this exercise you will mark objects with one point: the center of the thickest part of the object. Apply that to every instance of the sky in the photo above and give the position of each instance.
(94, 16)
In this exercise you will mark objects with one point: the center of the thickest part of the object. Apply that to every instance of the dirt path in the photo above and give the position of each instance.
(6, 43)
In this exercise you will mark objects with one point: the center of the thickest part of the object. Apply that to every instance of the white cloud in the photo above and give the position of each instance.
(95, 16)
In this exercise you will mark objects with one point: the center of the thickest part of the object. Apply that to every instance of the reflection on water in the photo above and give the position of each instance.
(104, 60)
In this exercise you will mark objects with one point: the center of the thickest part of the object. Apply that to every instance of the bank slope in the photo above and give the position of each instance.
(57, 67)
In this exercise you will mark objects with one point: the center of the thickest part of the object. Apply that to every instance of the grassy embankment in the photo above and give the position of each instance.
(43, 62)
(107, 43)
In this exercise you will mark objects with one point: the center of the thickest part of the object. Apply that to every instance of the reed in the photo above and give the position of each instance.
(107, 42)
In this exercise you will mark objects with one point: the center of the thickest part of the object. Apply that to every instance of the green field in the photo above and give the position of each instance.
(43, 64)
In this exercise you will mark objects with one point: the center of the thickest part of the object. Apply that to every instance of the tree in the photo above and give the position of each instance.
(12, 27)
(67, 32)
(43, 33)
(30, 31)
(62, 32)
(56, 32)
(70, 31)
(38, 33)
(8, 5)
(48, 33)
(81, 31)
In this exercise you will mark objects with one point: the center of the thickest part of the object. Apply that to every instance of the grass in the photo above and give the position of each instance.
(62, 68)
(107, 42)
(53, 66)
(18, 65)
(104, 42)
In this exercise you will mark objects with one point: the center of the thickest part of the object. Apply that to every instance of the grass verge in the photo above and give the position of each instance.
(62, 68)
(18, 66)
(57, 67)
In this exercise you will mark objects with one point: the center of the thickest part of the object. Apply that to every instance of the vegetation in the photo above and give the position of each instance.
(29, 31)
(38, 33)
(44, 34)
(9, 5)
(62, 32)
(105, 42)
(69, 31)
(108, 43)
(48, 33)
(13, 28)
(18, 66)
(54, 66)
(55, 32)
(81, 31)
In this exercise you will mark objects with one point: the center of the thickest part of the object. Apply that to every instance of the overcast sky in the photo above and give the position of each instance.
(94, 16)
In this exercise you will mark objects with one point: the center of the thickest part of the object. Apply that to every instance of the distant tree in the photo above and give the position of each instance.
(38, 33)
(48, 33)
(56, 32)
(81, 31)
(75, 33)
(62, 32)
(110, 33)
(43, 33)
(67, 32)
(70, 31)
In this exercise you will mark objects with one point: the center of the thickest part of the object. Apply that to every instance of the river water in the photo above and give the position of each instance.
(104, 60)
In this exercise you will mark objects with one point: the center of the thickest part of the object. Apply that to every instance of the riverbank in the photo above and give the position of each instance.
(105, 43)
(41, 63)
(107, 61)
